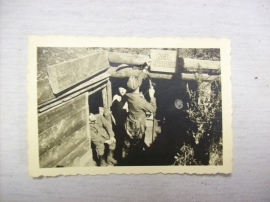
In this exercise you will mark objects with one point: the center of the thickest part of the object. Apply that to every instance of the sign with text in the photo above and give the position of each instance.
(163, 61)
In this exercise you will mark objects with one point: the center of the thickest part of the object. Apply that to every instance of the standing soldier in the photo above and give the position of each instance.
(119, 115)
(101, 133)
(135, 124)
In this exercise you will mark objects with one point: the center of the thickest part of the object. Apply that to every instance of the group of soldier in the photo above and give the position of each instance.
(126, 139)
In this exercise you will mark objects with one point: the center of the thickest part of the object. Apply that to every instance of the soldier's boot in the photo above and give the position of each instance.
(110, 158)
(102, 161)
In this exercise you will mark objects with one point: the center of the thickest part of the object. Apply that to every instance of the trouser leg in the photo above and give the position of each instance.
(132, 150)
(120, 134)
(110, 158)
(100, 148)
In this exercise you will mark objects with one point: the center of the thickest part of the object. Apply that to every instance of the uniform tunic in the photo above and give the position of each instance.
(136, 120)
(101, 131)
(136, 124)
(138, 106)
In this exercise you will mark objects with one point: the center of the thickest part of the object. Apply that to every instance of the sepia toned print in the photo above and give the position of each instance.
(129, 106)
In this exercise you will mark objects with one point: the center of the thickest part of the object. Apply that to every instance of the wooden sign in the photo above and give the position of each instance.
(67, 74)
(163, 61)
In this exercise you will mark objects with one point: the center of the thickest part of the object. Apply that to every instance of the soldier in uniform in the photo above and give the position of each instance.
(135, 124)
(101, 133)
(119, 115)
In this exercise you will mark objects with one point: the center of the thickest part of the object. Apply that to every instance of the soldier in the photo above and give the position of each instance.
(101, 133)
(119, 115)
(135, 124)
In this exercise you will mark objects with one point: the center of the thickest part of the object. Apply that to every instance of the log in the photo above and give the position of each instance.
(127, 72)
(79, 151)
(192, 65)
(57, 133)
(64, 75)
(57, 153)
(194, 76)
(58, 113)
(126, 58)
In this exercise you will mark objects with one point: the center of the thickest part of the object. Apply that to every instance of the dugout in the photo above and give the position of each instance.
(69, 89)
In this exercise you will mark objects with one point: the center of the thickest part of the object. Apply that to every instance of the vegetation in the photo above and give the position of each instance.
(185, 156)
(204, 110)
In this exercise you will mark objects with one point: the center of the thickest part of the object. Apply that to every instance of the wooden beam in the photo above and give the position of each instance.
(105, 104)
(58, 132)
(56, 114)
(126, 58)
(194, 76)
(105, 97)
(57, 153)
(69, 73)
(127, 72)
(109, 91)
(192, 65)
(88, 133)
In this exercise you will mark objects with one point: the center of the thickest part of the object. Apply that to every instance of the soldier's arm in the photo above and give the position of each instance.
(149, 107)
(107, 126)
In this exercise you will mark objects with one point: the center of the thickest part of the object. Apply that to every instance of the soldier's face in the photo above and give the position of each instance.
(122, 91)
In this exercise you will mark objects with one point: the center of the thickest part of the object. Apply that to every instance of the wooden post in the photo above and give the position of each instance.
(109, 91)
(87, 124)
(105, 104)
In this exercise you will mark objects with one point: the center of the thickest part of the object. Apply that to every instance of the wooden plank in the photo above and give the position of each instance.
(192, 64)
(65, 98)
(58, 102)
(56, 114)
(93, 82)
(97, 89)
(126, 58)
(44, 91)
(79, 151)
(86, 89)
(67, 74)
(194, 76)
(164, 61)
(57, 153)
(98, 79)
(57, 133)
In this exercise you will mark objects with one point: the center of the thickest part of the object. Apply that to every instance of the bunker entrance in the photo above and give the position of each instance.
(166, 130)
(94, 102)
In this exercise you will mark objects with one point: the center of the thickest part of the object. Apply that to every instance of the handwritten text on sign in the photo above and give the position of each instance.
(163, 60)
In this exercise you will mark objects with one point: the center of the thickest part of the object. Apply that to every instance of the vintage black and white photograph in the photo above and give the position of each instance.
(131, 107)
